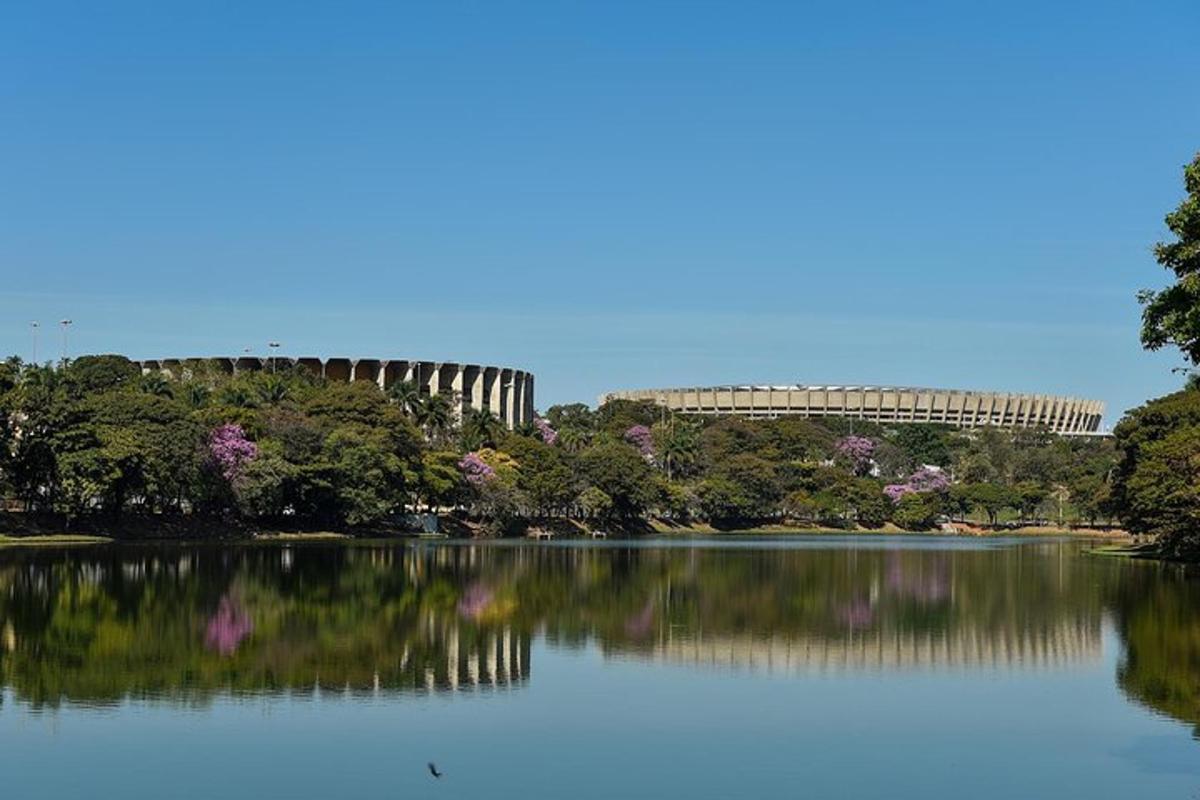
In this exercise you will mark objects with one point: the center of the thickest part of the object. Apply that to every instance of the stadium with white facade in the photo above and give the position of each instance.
(883, 404)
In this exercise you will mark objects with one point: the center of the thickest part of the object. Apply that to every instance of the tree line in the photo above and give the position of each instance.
(94, 438)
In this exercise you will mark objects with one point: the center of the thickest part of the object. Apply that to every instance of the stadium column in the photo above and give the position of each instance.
(456, 386)
(517, 398)
(505, 381)
(493, 393)
(529, 407)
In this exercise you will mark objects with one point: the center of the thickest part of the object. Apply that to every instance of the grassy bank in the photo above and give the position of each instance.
(42, 540)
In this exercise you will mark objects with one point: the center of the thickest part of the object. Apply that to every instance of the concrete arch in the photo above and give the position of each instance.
(248, 364)
(367, 369)
(395, 372)
(314, 366)
(338, 369)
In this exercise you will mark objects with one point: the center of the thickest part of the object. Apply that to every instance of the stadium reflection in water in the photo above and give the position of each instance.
(98, 625)
(777, 652)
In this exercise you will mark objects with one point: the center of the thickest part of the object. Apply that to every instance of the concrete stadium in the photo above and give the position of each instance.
(883, 404)
(506, 392)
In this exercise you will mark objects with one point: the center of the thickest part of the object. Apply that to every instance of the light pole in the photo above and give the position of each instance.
(274, 348)
(33, 332)
(65, 323)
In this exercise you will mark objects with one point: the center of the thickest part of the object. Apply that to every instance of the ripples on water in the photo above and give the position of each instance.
(159, 635)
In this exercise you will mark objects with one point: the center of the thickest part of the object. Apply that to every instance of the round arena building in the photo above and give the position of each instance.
(883, 404)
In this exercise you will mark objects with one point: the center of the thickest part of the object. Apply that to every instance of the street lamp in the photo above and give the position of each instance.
(274, 347)
(33, 332)
(65, 324)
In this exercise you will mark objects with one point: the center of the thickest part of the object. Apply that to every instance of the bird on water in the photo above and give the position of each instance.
(433, 770)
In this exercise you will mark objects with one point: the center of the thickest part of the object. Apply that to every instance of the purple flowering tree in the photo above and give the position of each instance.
(929, 480)
(476, 471)
(548, 434)
(858, 450)
(230, 450)
(640, 437)
(925, 479)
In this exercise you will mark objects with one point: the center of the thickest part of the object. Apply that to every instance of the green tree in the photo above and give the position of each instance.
(1091, 497)
(866, 503)
(573, 439)
(155, 383)
(1154, 487)
(1028, 498)
(481, 428)
(926, 444)
(273, 389)
(543, 475)
(917, 511)
(723, 500)
(434, 415)
(406, 395)
(758, 489)
(1171, 316)
(677, 443)
(991, 498)
(572, 415)
(595, 503)
(439, 481)
(369, 478)
(621, 473)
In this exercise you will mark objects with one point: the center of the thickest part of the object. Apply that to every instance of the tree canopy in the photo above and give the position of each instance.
(1171, 316)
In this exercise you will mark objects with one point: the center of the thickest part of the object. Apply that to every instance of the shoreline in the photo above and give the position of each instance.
(1118, 543)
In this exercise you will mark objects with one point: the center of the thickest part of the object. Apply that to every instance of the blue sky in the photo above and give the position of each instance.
(609, 194)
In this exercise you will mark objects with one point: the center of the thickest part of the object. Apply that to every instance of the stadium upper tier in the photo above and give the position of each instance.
(883, 404)
(507, 393)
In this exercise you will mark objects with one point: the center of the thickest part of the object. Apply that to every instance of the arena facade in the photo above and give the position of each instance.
(506, 392)
(883, 404)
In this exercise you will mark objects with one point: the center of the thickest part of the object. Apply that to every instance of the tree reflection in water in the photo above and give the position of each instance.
(1158, 618)
(228, 626)
(186, 624)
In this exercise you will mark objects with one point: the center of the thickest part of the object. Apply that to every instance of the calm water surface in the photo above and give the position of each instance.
(822, 667)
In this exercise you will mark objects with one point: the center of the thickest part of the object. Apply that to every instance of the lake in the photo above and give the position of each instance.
(793, 666)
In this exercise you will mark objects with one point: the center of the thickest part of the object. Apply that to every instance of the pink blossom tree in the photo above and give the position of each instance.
(475, 470)
(858, 450)
(640, 437)
(230, 450)
(548, 434)
(923, 480)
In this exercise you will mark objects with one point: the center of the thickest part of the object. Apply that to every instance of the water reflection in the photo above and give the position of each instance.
(1158, 618)
(185, 624)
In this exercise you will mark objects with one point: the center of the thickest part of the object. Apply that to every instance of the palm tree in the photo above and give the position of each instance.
(678, 444)
(273, 390)
(196, 394)
(407, 395)
(573, 439)
(433, 414)
(155, 383)
(481, 428)
(35, 376)
(238, 396)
